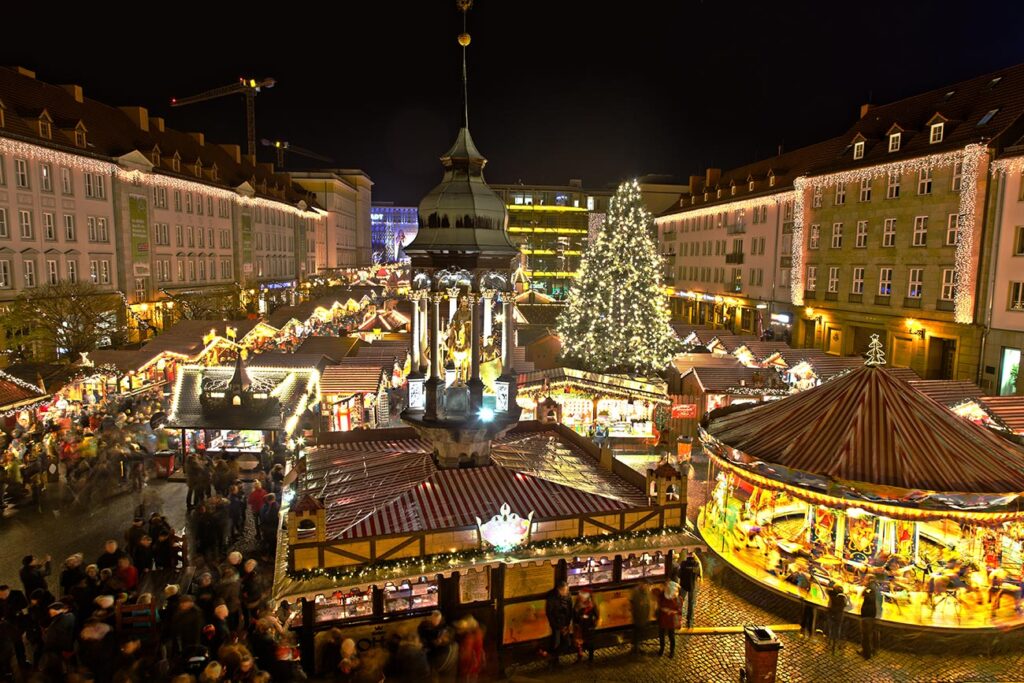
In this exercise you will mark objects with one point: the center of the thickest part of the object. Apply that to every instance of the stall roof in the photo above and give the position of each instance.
(379, 487)
(726, 379)
(703, 334)
(684, 361)
(52, 376)
(762, 350)
(14, 391)
(335, 348)
(124, 360)
(1009, 410)
(873, 428)
(186, 336)
(616, 384)
(826, 367)
(388, 321)
(730, 342)
(905, 374)
(541, 314)
(389, 347)
(354, 376)
(291, 386)
(948, 392)
(793, 357)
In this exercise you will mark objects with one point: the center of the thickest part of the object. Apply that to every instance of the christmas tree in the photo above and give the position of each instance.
(617, 317)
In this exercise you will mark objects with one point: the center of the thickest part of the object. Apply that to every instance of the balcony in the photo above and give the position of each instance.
(911, 302)
(785, 262)
(735, 258)
(736, 229)
(882, 299)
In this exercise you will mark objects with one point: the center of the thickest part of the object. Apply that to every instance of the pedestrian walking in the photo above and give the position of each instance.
(640, 609)
(33, 573)
(670, 611)
(585, 621)
(837, 604)
(690, 574)
(870, 610)
(558, 609)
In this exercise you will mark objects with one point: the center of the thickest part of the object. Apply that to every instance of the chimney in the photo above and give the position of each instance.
(75, 90)
(25, 72)
(864, 110)
(234, 150)
(712, 176)
(158, 123)
(264, 166)
(695, 181)
(199, 137)
(138, 115)
(576, 182)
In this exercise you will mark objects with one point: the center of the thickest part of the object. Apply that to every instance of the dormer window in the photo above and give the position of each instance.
(894, 142)
(45, 126)
(213, 172)
(705, 195)
(936, 132)
(750, 186)
(732, 189)
(718, 193)
(981, 122)
(771, 180)
(858, 149)
(154, 156)
(176, 163)
(80, 138)
(198, 170)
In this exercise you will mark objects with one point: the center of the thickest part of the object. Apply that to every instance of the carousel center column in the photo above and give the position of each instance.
(476, 387)
(508, 342)
(488, 300)
(434, 382)
(415, 298)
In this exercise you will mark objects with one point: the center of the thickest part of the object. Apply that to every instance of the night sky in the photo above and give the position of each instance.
(558, 90)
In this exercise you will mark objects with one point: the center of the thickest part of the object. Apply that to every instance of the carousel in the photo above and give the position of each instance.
(864, 479)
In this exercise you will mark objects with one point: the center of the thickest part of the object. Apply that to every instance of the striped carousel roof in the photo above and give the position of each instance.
(870, 427)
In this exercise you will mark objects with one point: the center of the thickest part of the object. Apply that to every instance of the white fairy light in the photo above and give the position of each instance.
(740, 205)
(969, 158)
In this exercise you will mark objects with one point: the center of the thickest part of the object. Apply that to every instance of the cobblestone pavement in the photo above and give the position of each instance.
(713, 658)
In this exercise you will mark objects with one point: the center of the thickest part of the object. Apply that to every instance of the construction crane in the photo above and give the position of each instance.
(280, 146)
(245, 86)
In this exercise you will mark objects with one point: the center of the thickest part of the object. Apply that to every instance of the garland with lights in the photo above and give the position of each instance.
(617, 315)
(19, 382)
(424, 563)
(970, 160)
(739, 205)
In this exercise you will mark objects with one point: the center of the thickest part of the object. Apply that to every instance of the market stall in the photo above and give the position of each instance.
(355, 394)
(622, 405)
(866, 479)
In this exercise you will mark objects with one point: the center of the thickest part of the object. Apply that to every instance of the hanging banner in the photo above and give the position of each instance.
(686, 411)
(138, 221)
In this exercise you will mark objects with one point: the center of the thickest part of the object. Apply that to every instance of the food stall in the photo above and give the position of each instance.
(584, 400)
(866, 479)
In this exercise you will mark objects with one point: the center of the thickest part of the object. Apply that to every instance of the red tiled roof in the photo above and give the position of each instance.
(12, 391)
(872, 428)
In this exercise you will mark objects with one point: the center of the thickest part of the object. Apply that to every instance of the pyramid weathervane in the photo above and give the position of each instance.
(876, 356)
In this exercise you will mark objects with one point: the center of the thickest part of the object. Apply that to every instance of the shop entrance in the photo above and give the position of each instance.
(941, 358)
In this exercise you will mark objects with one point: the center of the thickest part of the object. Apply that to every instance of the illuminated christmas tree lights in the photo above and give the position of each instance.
(617, 316)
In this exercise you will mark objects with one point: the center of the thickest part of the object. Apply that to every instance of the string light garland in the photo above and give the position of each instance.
(87, 164)
(387, 569)
(1011, 165)
(778, 199)
(617, 315)
(970, 159)
(19, 382)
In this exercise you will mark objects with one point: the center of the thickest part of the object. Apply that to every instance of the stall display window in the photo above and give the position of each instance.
(410, 596)
(586, 572)
(642, 567)
(340, 605)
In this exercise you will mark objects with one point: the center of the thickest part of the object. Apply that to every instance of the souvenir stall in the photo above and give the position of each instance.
(20, 401)
(864, 479)
(239, 409)
(355, 394)
(586, 399)
(380, 535)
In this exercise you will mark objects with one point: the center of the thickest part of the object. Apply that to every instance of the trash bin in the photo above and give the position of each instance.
(164, 461)
(684, 447)
(761, 654)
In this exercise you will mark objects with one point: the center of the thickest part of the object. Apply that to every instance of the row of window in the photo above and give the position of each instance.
(97, 226)
(915, 281)
(194, 269)
(919, 236)
(711, 274)
(722, 219)
(936, 133)
(99, 272)
(892, 187)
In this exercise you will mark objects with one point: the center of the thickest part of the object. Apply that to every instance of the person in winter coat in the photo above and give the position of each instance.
(640, 610)
(585, 620)
(256, 498)
(472, 658)
(111, 554)
(870, 610)
(236, 510)
(558, 608)
(127, 574)
(670, 609)
(269, 521)
(187, 625)
(58, 641)
(73, 572)
(229, 590)
(837, 604)
(143, 557)
(690, 574)
(33, 573)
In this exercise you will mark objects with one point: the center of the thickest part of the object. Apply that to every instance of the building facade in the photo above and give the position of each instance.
(343, 235)
(727, 245)
(1003, 344)
(552, 225)
(90, 192)
(392, 228)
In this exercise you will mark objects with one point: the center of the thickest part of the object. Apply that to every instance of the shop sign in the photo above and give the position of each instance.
(685, 411)
(505, 530)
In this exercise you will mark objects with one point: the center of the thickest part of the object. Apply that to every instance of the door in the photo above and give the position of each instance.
(941, 358)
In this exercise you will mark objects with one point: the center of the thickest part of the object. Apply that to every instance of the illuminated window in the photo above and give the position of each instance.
(889, 233)
(812, 278)
(936, 133)
(837, 235)
(833, 279)
(924, 181)
(862, 234)
(1016, 302)
(948, 284)
(894, 142)
(884, 281)
(892, 186)
(952, 229)
(589, 571)
(920, 231)
(858, 150)
(914, 283)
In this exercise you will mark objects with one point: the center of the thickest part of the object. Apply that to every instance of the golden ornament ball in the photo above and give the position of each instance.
(464, 39)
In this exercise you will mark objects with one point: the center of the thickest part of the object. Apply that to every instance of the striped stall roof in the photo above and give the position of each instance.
(684, 361)
(793, 357)
(718, 379)
(762, 350)
(350, 378)
(948, 392)
(703, 334)
(873, 428)
(373, 488)
(730, 342)
(1007, 409)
